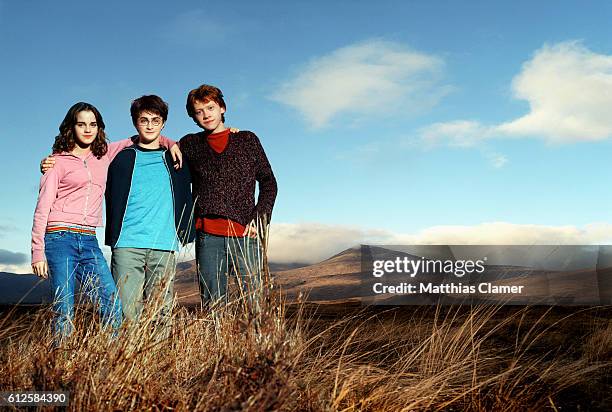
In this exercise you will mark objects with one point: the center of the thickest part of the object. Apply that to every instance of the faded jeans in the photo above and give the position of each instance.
(219, 257)
(145, 275)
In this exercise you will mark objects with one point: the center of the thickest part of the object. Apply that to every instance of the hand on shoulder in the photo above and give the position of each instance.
(47, 164)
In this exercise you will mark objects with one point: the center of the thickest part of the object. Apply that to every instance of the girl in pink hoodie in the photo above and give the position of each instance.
(64, 243)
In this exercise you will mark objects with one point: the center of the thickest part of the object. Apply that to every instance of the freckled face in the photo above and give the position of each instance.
(209, 115)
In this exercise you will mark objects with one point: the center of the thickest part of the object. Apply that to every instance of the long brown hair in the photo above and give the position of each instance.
(64, 142)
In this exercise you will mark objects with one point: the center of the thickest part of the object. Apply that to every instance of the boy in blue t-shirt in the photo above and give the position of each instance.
(148, 215)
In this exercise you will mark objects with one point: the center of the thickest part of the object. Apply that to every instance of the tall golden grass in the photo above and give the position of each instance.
(261, 353)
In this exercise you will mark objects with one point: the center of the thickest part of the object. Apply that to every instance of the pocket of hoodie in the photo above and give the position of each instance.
(96, 198)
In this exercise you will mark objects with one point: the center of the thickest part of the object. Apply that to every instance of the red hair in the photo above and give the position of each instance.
(204, 93)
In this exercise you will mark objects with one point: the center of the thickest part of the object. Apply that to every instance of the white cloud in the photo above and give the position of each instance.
(313, 242)
(193, 28)
(569, 91)
(460, 133)
(502, 233)
(366, 79)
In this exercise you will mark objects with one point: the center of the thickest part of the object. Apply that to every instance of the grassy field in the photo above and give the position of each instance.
(268, 355)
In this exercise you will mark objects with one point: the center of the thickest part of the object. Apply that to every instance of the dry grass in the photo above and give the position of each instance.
(254, 355)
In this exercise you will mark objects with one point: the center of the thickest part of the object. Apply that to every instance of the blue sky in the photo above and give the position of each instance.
(390, 122)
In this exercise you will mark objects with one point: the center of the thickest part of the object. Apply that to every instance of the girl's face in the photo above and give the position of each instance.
(85, 128)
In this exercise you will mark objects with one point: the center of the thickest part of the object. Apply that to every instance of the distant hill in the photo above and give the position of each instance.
(25, 289)
(186, 284)
(29, 289)
(339, 279)
(274, 267)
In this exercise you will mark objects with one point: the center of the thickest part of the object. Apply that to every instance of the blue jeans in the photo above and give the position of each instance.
(219, 257)
(73, 256)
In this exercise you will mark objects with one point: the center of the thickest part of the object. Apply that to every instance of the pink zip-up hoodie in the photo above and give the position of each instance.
(72, 192)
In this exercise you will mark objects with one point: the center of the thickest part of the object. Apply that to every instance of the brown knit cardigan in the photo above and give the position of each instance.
(224, 183)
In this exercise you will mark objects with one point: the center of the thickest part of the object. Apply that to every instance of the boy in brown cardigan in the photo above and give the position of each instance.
(224, 167)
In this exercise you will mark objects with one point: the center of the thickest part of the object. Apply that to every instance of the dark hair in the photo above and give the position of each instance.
(150, 103)
(204, 93)
(64, 142)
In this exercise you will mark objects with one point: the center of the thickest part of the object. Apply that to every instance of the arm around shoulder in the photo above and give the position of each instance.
(115, 147)
(166, 142)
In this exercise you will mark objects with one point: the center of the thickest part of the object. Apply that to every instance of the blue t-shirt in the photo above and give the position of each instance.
(149, 215)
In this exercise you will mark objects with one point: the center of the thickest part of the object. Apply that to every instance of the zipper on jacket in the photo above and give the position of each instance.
(128, 196)
(88, 191)
(178, 237)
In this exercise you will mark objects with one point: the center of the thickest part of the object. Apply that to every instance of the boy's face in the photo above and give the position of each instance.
(149, 126)
(208, 115)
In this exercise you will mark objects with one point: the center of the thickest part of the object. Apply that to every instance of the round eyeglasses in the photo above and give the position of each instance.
(156, 121)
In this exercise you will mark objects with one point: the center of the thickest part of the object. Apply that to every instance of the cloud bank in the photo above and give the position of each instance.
(313, 242)
(12, 258)
(569, 91)
(14, 262)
